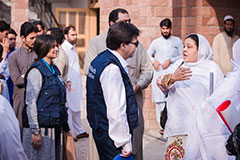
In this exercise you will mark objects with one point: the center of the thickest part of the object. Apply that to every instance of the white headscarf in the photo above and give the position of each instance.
(205, 52)
(204, 65)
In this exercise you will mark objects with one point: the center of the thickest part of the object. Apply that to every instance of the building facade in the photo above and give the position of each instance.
(91, 18)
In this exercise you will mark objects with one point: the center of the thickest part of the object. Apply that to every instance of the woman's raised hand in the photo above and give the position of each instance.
(182, 74)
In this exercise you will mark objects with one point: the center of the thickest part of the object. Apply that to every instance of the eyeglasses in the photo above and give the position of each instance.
(135, 43)
(10, 39)
(127, 21)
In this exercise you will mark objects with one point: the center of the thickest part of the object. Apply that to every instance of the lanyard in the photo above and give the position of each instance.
(51, 69)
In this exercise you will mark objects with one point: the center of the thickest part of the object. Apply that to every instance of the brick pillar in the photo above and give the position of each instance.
(19, 15)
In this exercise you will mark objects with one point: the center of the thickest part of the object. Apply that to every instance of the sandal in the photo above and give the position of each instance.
(161, 132)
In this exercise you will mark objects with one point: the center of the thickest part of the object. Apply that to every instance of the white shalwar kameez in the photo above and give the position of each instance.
(189, 117)
(75, 97)
(162, 49)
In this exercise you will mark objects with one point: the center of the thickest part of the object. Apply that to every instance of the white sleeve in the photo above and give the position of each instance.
(115, 98)
(10, 141)
(4, 69)
(3, 66)
(151, 51)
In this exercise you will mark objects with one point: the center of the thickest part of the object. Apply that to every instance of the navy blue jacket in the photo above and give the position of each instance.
(51, 100)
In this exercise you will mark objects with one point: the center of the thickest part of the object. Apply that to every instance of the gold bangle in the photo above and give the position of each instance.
(171, 81)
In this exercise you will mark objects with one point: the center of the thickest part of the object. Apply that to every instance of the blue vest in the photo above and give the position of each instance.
(96, 107)
(51, 100)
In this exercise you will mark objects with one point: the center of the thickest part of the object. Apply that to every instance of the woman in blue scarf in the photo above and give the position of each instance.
(44, 113)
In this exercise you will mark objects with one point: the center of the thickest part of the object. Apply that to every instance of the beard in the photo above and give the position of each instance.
(166, 36)
(74, 41)
(229, 33)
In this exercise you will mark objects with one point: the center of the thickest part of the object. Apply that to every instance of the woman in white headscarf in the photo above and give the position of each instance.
(208, 134)
(187, 87)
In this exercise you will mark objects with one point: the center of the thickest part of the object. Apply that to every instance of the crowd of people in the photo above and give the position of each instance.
(42, 94)
(44, 90)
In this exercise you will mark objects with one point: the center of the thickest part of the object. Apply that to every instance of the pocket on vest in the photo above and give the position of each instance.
(47, 119)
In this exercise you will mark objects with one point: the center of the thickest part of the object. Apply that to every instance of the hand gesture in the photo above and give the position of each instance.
(5, 45)
(182, 74)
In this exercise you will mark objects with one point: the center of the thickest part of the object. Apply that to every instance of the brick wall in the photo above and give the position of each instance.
(203, 16)
(188, 16)
(19, 14)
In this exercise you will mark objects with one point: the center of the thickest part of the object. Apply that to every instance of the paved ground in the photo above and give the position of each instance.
(152, 146)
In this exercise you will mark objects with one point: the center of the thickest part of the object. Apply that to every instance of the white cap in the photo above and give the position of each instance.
(228, 17)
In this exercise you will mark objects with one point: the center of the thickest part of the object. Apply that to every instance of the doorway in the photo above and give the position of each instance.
(86, 22)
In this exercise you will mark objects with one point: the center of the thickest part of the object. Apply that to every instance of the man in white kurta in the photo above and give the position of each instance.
(10, 141)
(222, 45)
(163, 51)
(74, 84)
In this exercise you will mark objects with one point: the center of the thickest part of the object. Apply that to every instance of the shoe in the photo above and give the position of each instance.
(161, 132)
(75, 139)
(82, 135)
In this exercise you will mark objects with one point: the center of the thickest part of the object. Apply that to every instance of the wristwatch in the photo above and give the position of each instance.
(35, 132)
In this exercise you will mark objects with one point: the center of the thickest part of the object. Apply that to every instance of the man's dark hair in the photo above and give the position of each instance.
(27, 28)
(43, 44)
(39, 23)
(166, 22)
(113, 16)
(119, 33)
(4, 26)
(67, 29)
(57, 33)
(195, 38)
(12, 31)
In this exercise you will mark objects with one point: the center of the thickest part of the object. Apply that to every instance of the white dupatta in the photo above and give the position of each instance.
(185, 96)
(207, 134)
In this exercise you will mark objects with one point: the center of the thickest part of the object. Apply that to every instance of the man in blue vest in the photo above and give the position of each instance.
(111, 105)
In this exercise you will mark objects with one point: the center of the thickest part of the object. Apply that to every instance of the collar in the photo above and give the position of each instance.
(51, 69)
(68, 44)
(27, 50)
(120, 58)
